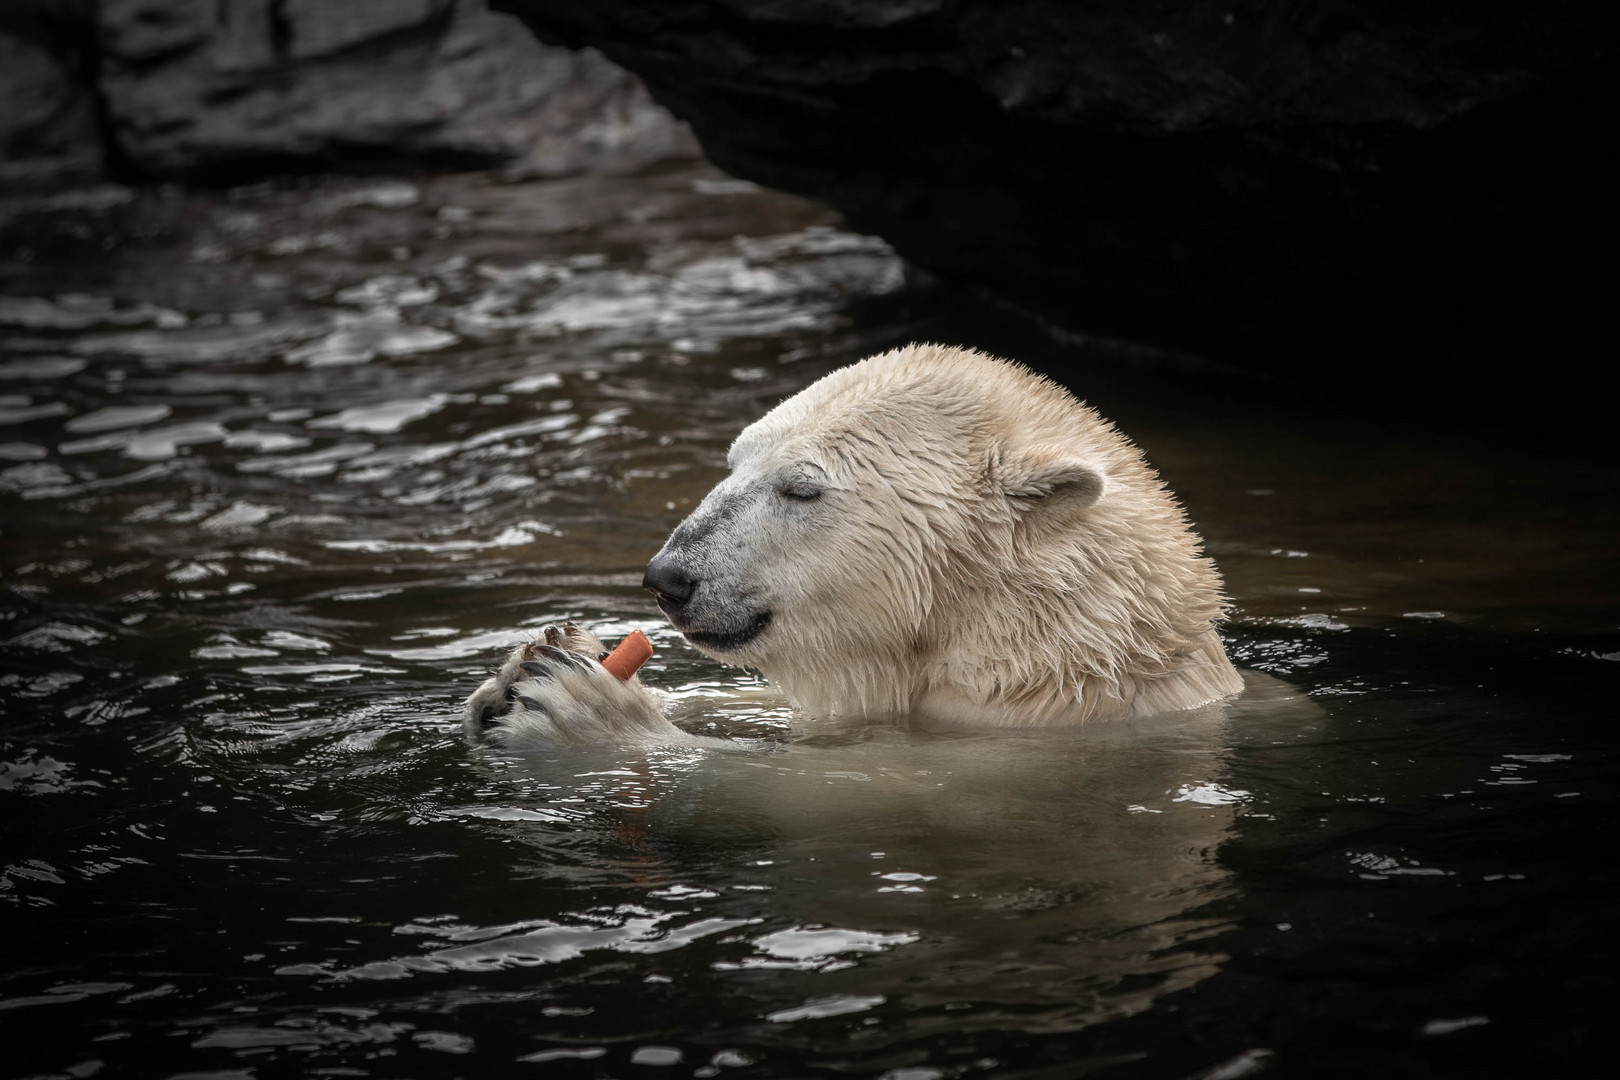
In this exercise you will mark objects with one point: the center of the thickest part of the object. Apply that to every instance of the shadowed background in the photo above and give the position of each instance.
(1400, 205)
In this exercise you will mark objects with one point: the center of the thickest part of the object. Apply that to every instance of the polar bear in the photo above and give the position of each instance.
(930, 533)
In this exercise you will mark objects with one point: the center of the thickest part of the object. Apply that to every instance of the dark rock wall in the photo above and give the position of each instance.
(214, 90)
(49, 129)
(1263, 181)
(1417, 185)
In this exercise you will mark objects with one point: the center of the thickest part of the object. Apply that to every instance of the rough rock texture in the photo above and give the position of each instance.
(48, 125)
(1254, 180)
(227, 89)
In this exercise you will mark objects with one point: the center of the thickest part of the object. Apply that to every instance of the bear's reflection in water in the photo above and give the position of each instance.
(1063, 872)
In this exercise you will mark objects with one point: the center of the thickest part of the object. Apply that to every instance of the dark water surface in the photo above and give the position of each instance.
(283, 469)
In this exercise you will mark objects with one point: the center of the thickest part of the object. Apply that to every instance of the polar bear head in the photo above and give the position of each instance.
(936, 530)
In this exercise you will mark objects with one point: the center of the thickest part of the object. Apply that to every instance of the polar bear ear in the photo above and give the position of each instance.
(1050, 475)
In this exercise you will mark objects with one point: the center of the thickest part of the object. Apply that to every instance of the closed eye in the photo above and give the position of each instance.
(798, 492)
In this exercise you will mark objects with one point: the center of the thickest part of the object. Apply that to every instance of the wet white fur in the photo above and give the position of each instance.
(985, 551)
(579, 704)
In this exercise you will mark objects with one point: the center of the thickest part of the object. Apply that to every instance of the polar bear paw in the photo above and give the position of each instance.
(555, 691)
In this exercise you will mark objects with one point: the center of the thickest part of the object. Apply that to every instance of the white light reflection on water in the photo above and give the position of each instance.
(622, 930)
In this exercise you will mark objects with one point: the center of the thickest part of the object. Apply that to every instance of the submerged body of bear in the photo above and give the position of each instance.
(931, 533)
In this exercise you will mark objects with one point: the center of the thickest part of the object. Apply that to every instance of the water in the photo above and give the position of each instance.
(283, 469)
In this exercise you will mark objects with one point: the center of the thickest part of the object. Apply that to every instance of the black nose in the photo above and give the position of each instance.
(672, 585)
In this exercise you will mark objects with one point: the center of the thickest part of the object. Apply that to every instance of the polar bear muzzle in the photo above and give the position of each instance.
(726, 626)
(669, 582)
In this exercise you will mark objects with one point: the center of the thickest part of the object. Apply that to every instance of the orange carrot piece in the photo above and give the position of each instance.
(625, 660)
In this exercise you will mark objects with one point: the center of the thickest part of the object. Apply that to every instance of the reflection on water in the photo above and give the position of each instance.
(1065, 896)
(283, 468)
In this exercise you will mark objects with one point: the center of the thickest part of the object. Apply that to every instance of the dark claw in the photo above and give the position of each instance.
(487, 717)
(511, 692)
(551, 652)
(535, 668)
(530, 703)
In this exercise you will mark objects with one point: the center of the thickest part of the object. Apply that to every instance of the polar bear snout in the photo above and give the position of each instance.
(668, 580)
(716, 623)
(707, 576)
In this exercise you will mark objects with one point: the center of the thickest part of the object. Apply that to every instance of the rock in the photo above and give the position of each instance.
(1260, 182)
(48, 130)
(203, 90)
(222, 90)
